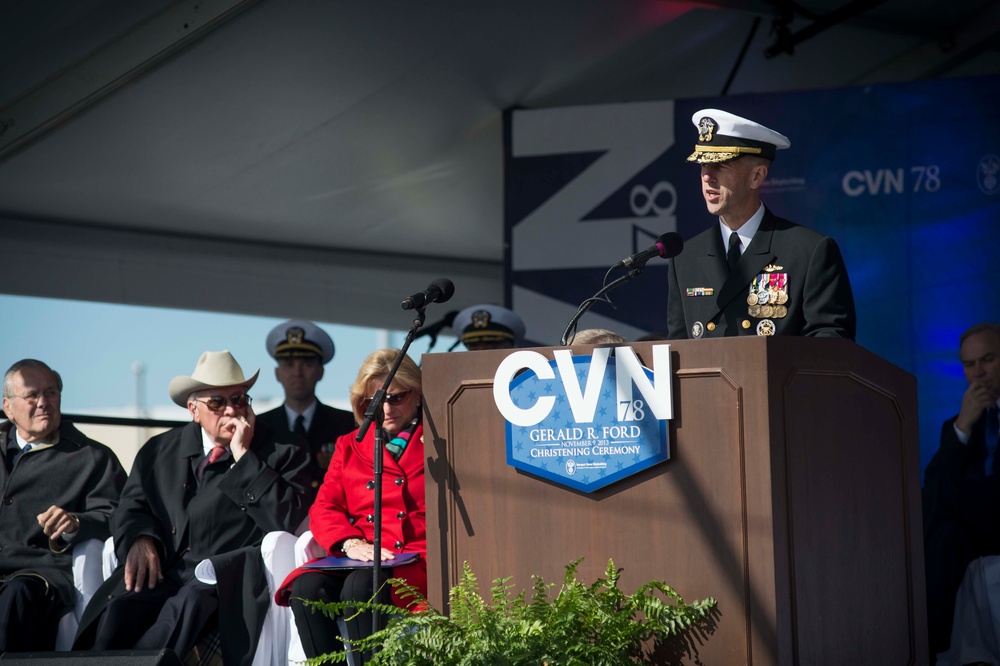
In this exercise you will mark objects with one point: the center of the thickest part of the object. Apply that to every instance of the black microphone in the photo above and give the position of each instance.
(435, 328)
(439, 291)
(667, 245)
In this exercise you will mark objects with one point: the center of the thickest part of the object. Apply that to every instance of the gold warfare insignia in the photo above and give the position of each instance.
(770, 268)
(295, 335)
(706, 129)
(480, 319)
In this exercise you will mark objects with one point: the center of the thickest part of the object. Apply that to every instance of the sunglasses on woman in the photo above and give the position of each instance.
(396, 398)
(217, 403)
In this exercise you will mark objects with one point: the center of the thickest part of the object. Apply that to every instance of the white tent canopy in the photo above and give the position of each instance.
(333, 157)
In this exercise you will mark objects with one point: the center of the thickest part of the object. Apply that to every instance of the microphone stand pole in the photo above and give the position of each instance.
(587, 304)
(376, 413)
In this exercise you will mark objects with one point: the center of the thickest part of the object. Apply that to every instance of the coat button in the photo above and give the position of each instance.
(370, 485)
(352, 520)
(745, 323)
(399, 545)
(173, 529)
(250, 497)
(710, 326)
(401, 515)
(8, 500)
(243, 507)
(399, 481)
(370, 518)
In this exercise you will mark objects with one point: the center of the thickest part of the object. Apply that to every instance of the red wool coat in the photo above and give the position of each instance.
(344, 507)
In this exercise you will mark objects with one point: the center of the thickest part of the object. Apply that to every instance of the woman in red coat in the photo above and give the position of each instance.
(341, 519)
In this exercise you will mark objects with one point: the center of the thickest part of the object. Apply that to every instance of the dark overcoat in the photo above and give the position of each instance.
(225, 522)
(77, 474)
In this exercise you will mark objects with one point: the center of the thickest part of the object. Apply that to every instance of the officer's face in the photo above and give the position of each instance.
(980, 355)
(299, 376)
(729, 188)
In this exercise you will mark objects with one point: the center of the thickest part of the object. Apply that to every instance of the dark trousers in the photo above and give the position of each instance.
(172, 615)
(29, 615)
(320, 635)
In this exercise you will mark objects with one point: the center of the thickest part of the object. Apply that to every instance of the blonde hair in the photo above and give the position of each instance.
(597, 336)
(378, 364)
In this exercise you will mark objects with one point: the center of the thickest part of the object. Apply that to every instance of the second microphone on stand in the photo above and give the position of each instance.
(439, 291)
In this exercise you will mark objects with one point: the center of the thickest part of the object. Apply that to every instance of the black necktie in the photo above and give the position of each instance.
(733, 256)
(300, 426)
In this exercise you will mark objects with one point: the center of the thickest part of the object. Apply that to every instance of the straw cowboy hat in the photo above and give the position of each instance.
(214, 370)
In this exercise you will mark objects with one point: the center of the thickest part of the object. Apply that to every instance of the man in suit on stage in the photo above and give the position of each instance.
(210, 489)
(961, 483)
(301, 349)
(60, 488)
(752, 273)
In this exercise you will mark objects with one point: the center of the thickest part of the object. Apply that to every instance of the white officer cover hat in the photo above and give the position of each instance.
(486, 322)
(298, 338)
(723, 136)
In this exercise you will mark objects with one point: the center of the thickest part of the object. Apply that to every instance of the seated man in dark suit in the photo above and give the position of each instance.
(961, 485)
(301, 349)
(59, 488)
(207, 490)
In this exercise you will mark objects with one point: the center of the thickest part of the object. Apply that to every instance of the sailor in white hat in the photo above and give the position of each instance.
(752, 273)
(301, 349)
(488, 326)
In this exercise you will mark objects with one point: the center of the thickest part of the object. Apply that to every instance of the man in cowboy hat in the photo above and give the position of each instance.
(301, 349)
(207, 490)
(59, 489)
(752, 273)
(488, 326)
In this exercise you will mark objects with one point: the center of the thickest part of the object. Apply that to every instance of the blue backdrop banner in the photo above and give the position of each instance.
(906, 178)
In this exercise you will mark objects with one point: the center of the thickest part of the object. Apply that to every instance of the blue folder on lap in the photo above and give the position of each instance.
(334, 562)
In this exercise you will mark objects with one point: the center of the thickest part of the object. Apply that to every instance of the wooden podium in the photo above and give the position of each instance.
(791, 496)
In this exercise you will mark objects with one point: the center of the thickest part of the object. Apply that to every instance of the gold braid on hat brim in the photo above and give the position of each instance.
(711, 154)
(487, 335)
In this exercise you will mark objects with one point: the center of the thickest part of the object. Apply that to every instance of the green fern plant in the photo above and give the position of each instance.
(582, 625)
